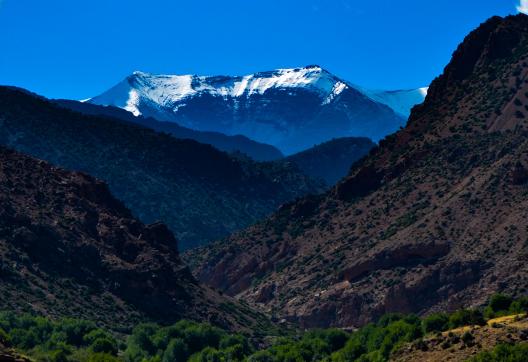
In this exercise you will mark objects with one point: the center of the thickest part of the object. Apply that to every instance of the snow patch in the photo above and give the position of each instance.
(133, 102)
(339, 87)
(167, 90)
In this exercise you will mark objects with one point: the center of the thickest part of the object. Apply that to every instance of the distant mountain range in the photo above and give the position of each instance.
(327, 162)
(291, 109)
(231, 144)
(201, 193)
(331, 160)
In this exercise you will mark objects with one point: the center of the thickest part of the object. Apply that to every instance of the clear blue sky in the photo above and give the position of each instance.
(78, 48)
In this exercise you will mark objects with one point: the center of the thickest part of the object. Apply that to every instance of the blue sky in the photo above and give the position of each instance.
(79, 48)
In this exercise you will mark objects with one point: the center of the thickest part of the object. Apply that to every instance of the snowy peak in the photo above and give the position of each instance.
(290, 108)
(167, 90)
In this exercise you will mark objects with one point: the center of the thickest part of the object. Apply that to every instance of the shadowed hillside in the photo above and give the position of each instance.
(431, 219)
(199, 192)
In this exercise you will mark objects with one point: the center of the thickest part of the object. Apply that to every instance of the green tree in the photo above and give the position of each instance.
(436, 322)
(104, 345)
(504, 353)
(176, 351)
(498, 305)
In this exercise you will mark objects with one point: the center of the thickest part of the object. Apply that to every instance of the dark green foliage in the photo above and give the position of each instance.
(58, 341)
(468, 338)
(436, 322)
(104, 345)
(466, 317)
(176, 350)
(377, 341)
(500, 305)
(185, 340)
(70, 340)
(520, 305)
(504, 353)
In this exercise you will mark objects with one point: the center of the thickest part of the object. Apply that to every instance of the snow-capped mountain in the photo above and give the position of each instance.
(292, 109)
(401, 101)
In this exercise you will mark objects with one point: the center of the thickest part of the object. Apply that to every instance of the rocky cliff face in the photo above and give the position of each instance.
(432, 219)
(200, 192)
(68, 247)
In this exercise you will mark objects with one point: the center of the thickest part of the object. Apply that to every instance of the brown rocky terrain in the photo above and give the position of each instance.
(463, 343)
(433, 219)
(69, 248)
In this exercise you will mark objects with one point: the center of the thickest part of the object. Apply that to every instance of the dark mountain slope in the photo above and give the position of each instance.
(432, 219)
(200, 192)
(67, 247)
(255, 150)
(331, 161)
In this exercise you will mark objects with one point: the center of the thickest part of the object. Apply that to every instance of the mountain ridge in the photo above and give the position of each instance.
(331, 160)
(231, 144)
(427, 222)
(200, 192)
(292, 109)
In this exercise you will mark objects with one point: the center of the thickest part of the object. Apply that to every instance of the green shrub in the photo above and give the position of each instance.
(436, 322)
(519, 306)
(70, 340)
(504, 353)
(261, 356)
(102, 357)
(208, 354)
(498, 305)
(466, 317)
(104, 345)
(467, 338)
(176, 351)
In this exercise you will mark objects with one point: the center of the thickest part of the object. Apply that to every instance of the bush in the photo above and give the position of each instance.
(139, 344)
(176, 351)
(104, 345)
(504, 353)
(4, 337)
(208, 354)
(200, 336)
(466, 317)
(102, 357)
(468, 337)
(59, 356)
(75, 330)
(232, 340)
(261, 356)
(498, 305)
(437, 322)
(519, 306)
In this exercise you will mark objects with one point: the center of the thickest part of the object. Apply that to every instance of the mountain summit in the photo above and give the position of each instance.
(292, 109)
